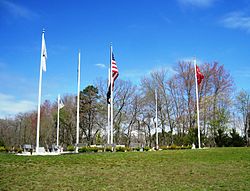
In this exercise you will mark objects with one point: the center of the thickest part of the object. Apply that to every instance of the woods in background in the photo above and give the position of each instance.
(224, 113)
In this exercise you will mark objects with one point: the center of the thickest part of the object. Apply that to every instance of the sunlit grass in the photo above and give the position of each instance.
(208, 169)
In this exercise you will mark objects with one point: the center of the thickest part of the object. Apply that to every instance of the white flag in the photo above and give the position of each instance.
(61, 104)
(43, 54)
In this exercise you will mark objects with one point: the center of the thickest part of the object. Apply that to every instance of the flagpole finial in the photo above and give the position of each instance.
(43, 30)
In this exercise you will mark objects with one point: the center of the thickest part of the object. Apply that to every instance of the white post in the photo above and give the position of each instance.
(39, 99)
(57, 130)
(156, 121)
(111, 99)
(197, 104)
(78, 101)
(109, 110)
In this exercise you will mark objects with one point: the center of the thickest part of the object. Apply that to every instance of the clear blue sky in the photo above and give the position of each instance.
(146, 35)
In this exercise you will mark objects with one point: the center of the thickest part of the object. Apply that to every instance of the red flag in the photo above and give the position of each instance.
(199, 75)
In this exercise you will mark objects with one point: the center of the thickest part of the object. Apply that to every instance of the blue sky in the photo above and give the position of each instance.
(146, 35)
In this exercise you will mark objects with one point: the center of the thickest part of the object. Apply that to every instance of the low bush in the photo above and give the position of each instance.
(146, 148)
(186, 147)
(108, 149)
(70, 148)
(18, 150)
(175, 147)
(88, 149)
(120, 149)
(2, 149)
(136, 149)
(93, 149)
(83, 150)
(7, 149)
(100, 149)
(164, 147)
(128, 149)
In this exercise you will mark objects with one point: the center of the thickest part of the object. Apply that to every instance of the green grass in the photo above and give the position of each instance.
(208, 169)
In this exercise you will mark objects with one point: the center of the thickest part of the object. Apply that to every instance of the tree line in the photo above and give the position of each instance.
(224, 113)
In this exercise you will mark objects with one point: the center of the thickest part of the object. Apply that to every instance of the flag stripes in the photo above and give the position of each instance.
(115, 74)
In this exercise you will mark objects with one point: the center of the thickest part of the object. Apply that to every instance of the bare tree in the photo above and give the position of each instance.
(243, 106)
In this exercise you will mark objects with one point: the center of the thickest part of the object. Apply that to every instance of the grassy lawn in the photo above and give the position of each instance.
(208, 169)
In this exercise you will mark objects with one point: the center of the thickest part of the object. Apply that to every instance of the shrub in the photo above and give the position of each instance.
(7, 149)
(186, 147)
(120, 149)
(136, 149)
(100, 149)
(83, 150)
(108, 149)
(19, 150)
(128, 148)
(87, 149)
(2, 149)
(93, 149)
(70, 148)
(146, 148)
(164, 147)
(175, 147)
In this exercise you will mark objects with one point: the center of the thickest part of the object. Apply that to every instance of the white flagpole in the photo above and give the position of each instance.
(39, 97)
(58, 113)
(197, 104)
(111, 99)
(108, 110)
(78, 101)
(156, 121)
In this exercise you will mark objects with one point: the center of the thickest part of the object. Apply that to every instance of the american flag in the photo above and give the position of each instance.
(115, 75)
(115, 72)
